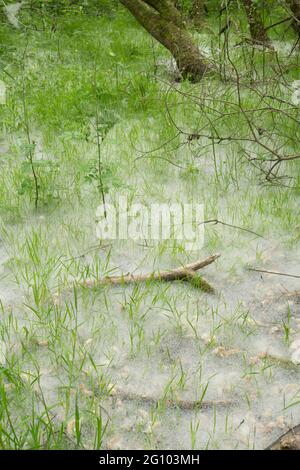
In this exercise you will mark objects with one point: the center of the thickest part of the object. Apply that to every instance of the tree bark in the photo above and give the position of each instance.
(198, 12)
(294, 6)
(257, 30)
(168, 11)
(162, 22)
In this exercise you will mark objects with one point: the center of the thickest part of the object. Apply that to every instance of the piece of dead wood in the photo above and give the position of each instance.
(185, 405)
(288, 441)
(186, 273)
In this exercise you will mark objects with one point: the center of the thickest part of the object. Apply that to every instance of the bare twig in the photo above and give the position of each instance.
(216, 221)
(273, 272)
(278, 23)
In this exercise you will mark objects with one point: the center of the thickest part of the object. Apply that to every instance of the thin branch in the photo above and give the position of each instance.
(278, 23)
(273, 272)
(216, 221)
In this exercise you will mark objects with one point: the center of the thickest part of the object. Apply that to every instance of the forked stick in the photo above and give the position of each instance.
(186, 273)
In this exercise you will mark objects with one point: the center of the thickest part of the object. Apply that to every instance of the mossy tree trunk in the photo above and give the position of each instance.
(257, 30)
(166, 24)
(168, 11)
(198, 12)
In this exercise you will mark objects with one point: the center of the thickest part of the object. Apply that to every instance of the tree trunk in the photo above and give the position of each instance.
(160, 18)
(168, 11)
(198, 12)
(294, 6)
(257, 30)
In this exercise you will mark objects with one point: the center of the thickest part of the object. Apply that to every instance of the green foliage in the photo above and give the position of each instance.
(46, 171)
(110, 178)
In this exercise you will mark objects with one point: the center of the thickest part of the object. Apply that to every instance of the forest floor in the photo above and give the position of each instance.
(153, 365)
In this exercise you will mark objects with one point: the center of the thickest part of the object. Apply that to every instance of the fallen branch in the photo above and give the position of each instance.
(186, 273)
(289, 441)
(181, 404)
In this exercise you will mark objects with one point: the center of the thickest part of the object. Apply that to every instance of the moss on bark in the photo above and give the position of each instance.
(257, 30)
(177, 40)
